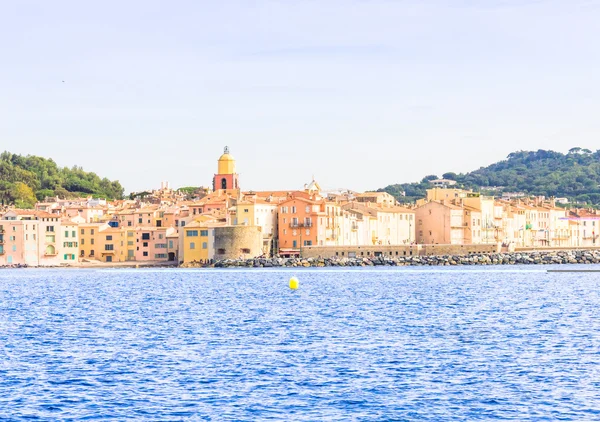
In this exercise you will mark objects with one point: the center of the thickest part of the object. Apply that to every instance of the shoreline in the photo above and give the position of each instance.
(508, 258)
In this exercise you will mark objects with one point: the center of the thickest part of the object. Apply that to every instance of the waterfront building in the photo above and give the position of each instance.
(68, 244)
(262, 213)
(440, 222)
(198, 240)
(90, 246)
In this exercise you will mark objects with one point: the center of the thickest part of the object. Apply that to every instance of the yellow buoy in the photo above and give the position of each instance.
(294, 283)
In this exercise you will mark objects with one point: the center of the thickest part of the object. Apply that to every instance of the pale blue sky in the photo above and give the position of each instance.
(361, 93)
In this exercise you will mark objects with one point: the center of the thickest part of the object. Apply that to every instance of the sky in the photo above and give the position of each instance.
(359, 93)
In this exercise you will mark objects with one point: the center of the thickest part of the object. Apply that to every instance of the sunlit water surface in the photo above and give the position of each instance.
(397, 343)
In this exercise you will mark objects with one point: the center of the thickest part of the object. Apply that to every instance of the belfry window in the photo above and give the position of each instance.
(223, 183)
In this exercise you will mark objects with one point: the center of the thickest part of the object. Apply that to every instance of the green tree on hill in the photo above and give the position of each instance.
(575, 175)
(25, 179)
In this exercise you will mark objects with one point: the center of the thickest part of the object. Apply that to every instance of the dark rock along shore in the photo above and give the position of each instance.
(513, 258)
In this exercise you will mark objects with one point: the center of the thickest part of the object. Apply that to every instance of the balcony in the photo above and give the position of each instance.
(305, 224)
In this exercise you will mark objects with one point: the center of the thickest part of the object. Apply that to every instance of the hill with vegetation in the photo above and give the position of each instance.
(575, 175)
(27, 179)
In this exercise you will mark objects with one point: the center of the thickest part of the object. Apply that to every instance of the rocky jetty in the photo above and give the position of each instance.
(513, 258)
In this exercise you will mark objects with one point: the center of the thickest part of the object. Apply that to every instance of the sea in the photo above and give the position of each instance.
(360, 344)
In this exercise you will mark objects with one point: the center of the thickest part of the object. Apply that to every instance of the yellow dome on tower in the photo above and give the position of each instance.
(226, 163)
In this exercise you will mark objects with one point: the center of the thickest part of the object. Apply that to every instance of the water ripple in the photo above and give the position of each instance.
(404, 344)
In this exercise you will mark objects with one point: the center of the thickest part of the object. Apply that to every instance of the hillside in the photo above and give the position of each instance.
(575, 175)
(26, 179)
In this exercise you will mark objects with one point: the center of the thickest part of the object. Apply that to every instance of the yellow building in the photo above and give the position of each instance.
(110, 242)
(198, 243)
(226, 179)
(88, 240)
(226, 163)
(99, 241)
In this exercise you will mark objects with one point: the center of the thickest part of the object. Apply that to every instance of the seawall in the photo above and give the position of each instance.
(510, 258)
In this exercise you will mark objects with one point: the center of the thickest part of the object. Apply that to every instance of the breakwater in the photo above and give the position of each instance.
(512, 258)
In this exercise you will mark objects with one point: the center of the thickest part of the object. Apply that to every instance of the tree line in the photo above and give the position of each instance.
(24, 180)
(575, 175)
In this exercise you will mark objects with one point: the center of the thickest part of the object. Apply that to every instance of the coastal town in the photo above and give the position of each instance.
(225, 221)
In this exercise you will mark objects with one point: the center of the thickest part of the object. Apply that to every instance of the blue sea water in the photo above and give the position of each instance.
(468, 343)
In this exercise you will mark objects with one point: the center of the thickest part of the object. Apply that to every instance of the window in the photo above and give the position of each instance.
(204, 233)
(170, 244)
(92, 231)
(284, 231)
(128, 223)
(293, 210)
(307, 232)
(192, 245)
(50, 228)
(145, 253)
(92, 241)
(161, 246)
(191, 233)
(109, 237)
(221, 251)
(145, 244)
(130, 243)
(66, 234)
(204, 245)
(307, 209)
(245, 209)
(92, 252)
(284, 210)
(160, 235)
(109, 247)
(73, 233)
(139, 221)
(160, 255)
(308, 243)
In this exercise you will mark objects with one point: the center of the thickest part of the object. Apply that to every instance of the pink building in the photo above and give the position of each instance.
(151, 243)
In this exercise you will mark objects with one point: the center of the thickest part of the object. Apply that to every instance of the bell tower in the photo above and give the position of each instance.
(226, 177)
